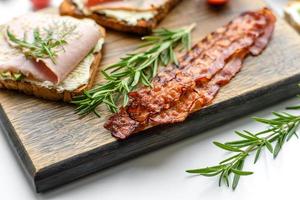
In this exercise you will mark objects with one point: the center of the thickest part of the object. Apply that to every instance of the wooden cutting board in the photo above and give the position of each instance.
(56, 146)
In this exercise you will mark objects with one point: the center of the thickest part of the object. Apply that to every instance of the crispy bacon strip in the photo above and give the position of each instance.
(212, 63)
(200, 96)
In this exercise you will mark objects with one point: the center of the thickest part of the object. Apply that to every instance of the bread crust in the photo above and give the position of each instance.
(53, 94)
(142, 27)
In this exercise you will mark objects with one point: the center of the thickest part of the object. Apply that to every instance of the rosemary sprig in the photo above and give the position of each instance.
(41, 47)
(281, 128)
(134, 69)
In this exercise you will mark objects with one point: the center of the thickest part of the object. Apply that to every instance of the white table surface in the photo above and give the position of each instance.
(160, 174)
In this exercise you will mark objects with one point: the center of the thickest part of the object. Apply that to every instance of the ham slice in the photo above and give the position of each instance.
(83, 36)
(130, 5)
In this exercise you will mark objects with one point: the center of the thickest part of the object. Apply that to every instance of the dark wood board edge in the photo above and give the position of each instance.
(119, 151)
(18, 148)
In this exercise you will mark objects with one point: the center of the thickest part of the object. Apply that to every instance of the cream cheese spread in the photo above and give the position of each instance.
(130, 17)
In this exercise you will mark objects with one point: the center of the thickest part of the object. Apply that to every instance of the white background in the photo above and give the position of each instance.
(160, 175)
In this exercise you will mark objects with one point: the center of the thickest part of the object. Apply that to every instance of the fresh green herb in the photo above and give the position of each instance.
(134, 69)
(42, 46)
(281, 128)
(12, 75)
(5, 74)
(18, 76)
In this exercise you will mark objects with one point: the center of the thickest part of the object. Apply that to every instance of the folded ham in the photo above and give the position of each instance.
(212, 63)
(130, 5)
(81, 36)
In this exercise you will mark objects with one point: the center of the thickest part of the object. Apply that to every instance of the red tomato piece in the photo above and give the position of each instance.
(39, 4)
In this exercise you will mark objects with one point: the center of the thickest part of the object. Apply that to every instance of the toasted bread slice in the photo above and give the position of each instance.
(142, 27)
(38, 90)
(292, 15)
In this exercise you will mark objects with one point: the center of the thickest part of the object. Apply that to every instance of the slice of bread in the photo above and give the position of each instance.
(30, 88)
(142, 27)
(292, 14)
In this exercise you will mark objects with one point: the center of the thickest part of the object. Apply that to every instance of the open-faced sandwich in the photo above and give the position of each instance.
(49, 56)
(136, 16)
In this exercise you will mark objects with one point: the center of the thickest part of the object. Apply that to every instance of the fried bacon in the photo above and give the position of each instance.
(180, 90)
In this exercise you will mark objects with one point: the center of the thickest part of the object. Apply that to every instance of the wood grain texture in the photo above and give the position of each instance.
(56, 146)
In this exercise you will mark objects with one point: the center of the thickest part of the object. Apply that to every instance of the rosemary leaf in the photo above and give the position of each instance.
(42, 46)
